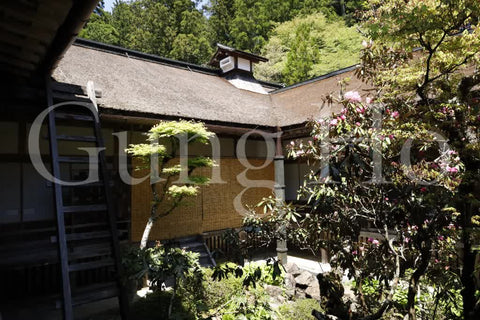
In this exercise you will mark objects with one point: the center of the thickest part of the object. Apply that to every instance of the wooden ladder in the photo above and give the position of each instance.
(81, 248)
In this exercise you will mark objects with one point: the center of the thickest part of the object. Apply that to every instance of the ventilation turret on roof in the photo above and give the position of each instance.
(230, 59)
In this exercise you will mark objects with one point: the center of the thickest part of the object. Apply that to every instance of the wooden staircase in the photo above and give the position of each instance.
(87, 236)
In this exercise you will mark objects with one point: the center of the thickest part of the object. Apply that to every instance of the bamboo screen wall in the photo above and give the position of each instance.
(211, 210)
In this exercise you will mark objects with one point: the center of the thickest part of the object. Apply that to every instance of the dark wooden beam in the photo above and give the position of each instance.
(75, 20)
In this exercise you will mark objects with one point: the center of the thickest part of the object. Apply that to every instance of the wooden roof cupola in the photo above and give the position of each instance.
(236, 66)
(231, 60)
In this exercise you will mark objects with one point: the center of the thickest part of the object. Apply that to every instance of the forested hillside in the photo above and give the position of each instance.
(302, 39)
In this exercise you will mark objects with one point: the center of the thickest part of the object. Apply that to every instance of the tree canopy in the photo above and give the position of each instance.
(309, 46)
(169, 28)
(179, 29)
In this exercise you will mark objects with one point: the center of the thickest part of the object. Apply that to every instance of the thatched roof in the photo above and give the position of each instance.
(301, 101)
(140, 83)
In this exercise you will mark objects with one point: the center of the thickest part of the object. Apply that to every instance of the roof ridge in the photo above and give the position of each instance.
(109, 48)
(318, 78)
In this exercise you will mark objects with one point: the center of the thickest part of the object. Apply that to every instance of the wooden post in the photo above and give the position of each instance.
(280, 196)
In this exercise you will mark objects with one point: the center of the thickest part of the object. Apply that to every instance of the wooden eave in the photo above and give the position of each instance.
(35, 33)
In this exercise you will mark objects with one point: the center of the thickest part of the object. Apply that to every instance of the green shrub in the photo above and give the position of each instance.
(298, 310)
(230, 299)
(155, 307)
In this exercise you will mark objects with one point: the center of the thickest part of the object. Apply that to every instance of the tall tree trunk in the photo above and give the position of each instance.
(415, 280)
(146, 233)
(412, 292)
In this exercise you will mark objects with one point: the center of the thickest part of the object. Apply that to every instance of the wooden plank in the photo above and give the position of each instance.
(88, 235)
(122, 297)
(74, 159)
(85, 208)
(77, 117)
(26, 30)
(21, 42)
(64, 97)
(71, 88)
(91, 265)
(62, 240)
(84, 236)
(19, 52)
(88, 185)
(45, 17)
(76, 138)
(18, 62)
(95, 293)
(90, 251)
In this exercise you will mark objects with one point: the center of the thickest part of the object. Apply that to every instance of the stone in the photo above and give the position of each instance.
(290, 285)
(313, 290)
(293, 269)
(276, 295)
(304, 279)
(273, 291)
(300, 294)
(290, 281)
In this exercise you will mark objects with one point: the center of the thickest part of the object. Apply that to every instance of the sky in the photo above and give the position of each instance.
(109, 4)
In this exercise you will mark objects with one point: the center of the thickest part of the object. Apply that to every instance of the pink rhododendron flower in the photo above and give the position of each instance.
(395, 114)
(450, 152)
(343, 117)
(368, 100)
(353, 96)
(423, 189)
(370, 239)
(358, 124)
(407, 240)
(441, 238)
(354, 252)
(360, 110)
(334, 122)
(375, 242)
(452, 169)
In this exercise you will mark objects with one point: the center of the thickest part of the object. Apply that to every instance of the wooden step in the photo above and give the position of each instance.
(91, 264)
(76, 138)
(84, 236)
(95, 293)
(77, 117)
(89, 185)
(85, 208)
(76, 159)
(92, 293)
(88, 235)
(90, 251)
